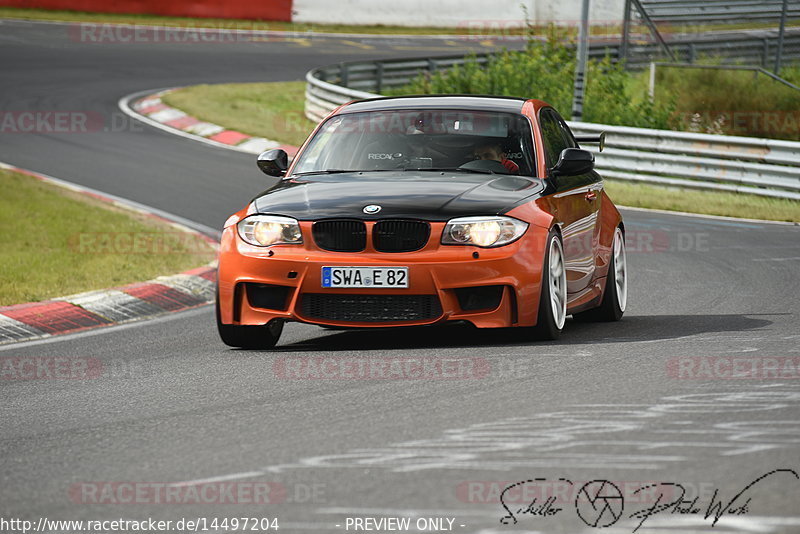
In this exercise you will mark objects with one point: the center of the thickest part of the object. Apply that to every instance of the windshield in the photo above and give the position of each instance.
(471, 141)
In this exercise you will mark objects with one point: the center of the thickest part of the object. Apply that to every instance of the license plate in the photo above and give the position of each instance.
(365, 277)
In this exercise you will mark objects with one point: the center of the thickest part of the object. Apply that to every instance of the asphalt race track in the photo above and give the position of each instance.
(606, 402)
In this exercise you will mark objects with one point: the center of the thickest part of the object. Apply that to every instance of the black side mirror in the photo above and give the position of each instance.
(573, 161)
(273, 162)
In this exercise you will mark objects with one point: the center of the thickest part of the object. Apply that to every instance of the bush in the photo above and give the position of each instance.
(791, 74)
(546, 70)
(711, 101)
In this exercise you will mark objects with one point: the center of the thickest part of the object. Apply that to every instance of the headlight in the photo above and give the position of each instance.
(266, 230)
(483, 231)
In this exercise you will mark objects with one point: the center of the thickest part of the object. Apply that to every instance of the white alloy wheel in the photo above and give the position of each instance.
(620, 270)
(557, 278)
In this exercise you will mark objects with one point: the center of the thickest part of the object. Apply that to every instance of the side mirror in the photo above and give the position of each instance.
(273, 162)
(573, 161)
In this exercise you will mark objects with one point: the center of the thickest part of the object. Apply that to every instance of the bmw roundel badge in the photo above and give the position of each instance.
(372, 209)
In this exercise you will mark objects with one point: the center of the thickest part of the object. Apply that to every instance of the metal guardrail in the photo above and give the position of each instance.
(763, 167)
(662, 17)
(753, 48)
(749, 50)
(716, 11)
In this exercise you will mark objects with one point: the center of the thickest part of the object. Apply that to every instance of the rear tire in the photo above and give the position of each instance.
(553, 295)
(249, 337)
(615, 297)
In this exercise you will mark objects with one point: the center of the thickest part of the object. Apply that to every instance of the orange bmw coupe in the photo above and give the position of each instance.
(422, 210)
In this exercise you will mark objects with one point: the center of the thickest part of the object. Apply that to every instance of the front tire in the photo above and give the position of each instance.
(615, 297)
(248, 337)
(553, 295)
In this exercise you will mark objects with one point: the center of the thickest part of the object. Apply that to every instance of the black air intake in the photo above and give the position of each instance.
(479, 298)
(267, 296)
(370, 308)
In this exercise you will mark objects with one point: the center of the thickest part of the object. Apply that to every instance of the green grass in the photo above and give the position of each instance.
(791, 74)
(57, 243)
(707, 202)
(271, 110)
(157, 20)
(256, 108)
(730, 102)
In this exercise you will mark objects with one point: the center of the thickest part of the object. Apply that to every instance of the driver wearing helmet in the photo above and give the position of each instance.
(494, 151)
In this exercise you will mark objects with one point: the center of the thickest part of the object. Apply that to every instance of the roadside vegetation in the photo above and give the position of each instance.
(791, 74)
(258, 108)
(730, 102)
(688, 99)
(546, 70)
(696, 100)
(56, 242)
(271, 110)
(708, 202)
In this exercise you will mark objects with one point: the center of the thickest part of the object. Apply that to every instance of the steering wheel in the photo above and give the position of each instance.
(485, 165)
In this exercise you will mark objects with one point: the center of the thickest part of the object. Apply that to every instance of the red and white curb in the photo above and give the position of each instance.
(192, 288)
(150, 109)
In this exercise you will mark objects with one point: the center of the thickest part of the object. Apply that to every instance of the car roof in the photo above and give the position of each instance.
(467, 102)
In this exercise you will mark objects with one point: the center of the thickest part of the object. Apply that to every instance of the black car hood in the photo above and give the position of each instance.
(432, 196)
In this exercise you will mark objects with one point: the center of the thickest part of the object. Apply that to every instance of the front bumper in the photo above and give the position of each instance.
(437, 273)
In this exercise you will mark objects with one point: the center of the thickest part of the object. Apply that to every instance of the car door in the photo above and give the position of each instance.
(576, 199)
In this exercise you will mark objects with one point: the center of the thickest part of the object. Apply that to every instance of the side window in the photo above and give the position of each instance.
(576, 181)
(570, 182)
(552, 136)
(566, 133)
(557, 136)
